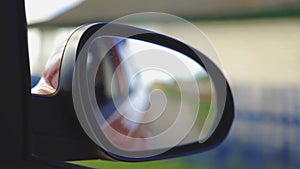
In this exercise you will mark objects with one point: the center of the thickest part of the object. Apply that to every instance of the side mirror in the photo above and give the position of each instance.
(125, 93)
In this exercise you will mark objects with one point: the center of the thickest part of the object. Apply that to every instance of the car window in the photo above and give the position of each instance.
(258, 48)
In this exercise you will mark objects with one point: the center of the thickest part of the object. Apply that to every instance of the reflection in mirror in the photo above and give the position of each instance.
(150, 97)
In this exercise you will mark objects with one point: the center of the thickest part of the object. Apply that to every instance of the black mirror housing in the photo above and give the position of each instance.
(59, 132)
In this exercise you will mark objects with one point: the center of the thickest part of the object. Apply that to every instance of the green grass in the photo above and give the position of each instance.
(176, 163)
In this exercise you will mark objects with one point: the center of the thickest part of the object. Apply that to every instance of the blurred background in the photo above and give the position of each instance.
(258, 44)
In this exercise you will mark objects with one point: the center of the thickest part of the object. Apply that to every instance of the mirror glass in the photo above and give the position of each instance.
(149, 96)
